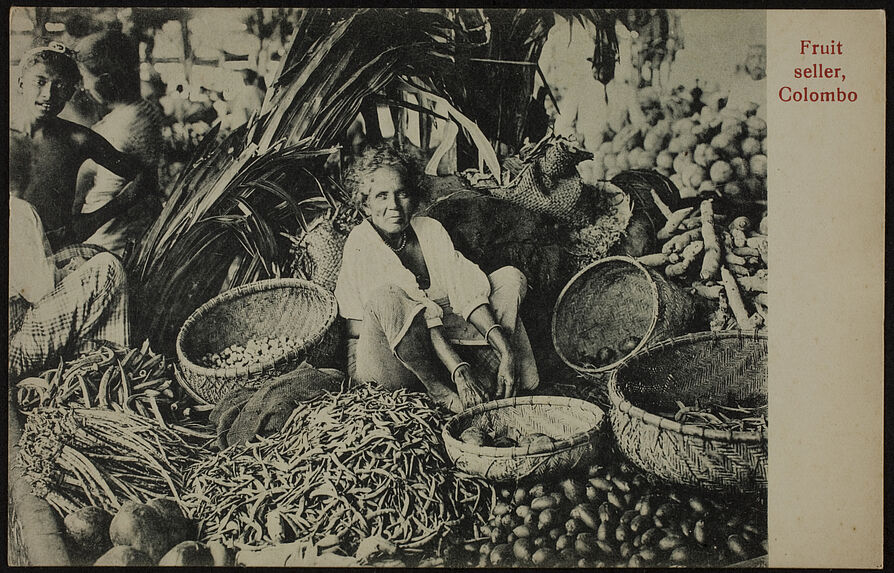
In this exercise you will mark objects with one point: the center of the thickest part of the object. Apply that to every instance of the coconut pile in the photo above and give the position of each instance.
(690, 136)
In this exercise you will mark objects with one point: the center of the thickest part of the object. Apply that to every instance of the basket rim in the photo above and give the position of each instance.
(238, 292)
(556, 446)
(622, 404)
(181, 379)
(652, 322)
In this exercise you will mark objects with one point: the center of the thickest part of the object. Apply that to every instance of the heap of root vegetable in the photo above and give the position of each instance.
(724, 262)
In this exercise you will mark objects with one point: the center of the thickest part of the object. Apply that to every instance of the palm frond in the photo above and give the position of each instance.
(227, 210)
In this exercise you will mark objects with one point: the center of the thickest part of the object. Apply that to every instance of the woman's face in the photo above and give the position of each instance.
(389, 204)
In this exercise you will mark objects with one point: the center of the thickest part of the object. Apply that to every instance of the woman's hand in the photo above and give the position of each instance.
(447, 398)
(506, 375)
(470, 389)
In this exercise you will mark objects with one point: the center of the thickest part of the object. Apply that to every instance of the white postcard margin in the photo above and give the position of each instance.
(827, 214)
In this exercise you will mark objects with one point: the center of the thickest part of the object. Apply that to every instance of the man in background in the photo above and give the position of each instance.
(56, 301)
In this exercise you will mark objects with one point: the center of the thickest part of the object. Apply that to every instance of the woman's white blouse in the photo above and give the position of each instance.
(368, 263)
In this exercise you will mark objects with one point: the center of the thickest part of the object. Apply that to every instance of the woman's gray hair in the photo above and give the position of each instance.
(375, 157)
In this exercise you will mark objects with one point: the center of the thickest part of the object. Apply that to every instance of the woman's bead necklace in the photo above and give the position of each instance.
(402, 242)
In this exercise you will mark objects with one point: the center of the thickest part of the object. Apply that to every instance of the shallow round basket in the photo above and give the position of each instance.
(573, 424)
(613, 300)
(302, 310)
(728, 368)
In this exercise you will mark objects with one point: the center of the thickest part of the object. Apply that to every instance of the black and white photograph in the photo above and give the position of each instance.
(404, 287)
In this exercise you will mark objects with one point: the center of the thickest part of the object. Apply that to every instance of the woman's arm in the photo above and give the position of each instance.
(352, 327)
(482, 318)
(468, 386)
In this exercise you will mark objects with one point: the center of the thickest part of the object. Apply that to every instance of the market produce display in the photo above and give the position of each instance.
(135, 381)
(254, 350)
(694, 138)
(346, 467)
(478, 436)
(116, 441)
(725, 263)
(77, 457)
(613, 516)
(152, 533)
(720, 417)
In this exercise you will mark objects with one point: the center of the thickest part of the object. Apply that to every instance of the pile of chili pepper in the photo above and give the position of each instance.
(76, 457)
(346, 466)
(134, 380)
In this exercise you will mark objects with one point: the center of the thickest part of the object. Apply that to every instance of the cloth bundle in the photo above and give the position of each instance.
(242, 414)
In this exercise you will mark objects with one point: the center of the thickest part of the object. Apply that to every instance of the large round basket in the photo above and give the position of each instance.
(573, 424)
(300, 309)
(617, 304)
(727, 368)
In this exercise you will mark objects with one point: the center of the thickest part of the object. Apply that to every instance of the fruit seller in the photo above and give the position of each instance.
(52, 310)
(415, 306)
(56, 148)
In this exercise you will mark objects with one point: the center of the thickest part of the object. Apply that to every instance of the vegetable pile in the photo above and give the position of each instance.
(151, 533)
(720, 417)
(135, 381)
(345, 467)
(726, 264)
(694, 138)
(478, 436)
(254, 350)
(75, 457)
(611, 516)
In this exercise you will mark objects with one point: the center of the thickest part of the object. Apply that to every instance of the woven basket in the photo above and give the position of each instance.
(300, 309)
(612, 300)
(536, 192)
(728, 367)
(318, 253)
(573, 424)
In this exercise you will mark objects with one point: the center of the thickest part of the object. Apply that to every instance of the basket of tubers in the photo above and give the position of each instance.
(693, 410)
(253, 333)
(521, 437)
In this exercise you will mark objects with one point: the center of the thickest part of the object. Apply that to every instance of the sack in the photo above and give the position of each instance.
(245, 413)
(531, 191)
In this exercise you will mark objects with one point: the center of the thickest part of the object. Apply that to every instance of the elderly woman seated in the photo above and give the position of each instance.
(417, 310)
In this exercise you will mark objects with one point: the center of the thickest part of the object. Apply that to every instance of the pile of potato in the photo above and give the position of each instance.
(717, 148)
(612, 516)
(255, 350)
(147, 534)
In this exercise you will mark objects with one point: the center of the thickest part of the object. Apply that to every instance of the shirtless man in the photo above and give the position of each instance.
(57, 148)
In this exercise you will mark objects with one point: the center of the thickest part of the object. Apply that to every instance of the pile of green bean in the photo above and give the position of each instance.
(345, 466)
